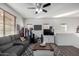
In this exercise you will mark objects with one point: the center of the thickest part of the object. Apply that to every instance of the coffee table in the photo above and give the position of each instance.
(47, 50)
(49, 46)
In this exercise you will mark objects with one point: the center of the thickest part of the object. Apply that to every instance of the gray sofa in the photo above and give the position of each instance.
(16, 39)
(12, 45)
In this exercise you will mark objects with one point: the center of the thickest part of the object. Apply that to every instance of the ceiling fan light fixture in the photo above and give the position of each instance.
(38, 10)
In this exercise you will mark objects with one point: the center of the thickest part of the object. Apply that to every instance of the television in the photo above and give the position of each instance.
(47, 32)
(37, 27)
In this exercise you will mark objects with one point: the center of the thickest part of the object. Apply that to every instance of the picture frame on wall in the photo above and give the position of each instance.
(77, 30)
(18, 28)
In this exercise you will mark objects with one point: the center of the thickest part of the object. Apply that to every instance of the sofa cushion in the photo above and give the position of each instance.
(5, 47)
(12, 37)
(5, 40)
(5, 43)
(17, 36)
(15, 49)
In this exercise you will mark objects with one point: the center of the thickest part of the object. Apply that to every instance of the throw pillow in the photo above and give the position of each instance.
(22, 39)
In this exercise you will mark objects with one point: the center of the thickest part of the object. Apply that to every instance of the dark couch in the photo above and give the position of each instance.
(12, 45)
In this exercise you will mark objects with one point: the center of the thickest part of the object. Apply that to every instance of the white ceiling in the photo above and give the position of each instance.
(56, 10)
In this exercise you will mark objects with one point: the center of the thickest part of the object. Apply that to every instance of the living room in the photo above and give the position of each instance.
(52, 32)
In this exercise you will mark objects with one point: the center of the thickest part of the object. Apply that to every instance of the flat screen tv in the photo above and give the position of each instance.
(37, 27)
(47, 32)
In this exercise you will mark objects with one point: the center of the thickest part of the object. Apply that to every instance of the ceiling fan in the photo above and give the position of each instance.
(40, 7)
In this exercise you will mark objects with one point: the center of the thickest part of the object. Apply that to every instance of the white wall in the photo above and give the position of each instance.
(72, 23)
(19, 19)
(71, 39)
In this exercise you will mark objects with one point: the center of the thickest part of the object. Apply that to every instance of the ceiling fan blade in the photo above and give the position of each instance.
(44, 10)
(46, 5)
(31, 8)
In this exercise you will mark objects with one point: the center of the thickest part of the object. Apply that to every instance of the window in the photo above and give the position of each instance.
(7, 23)
(1, 23)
